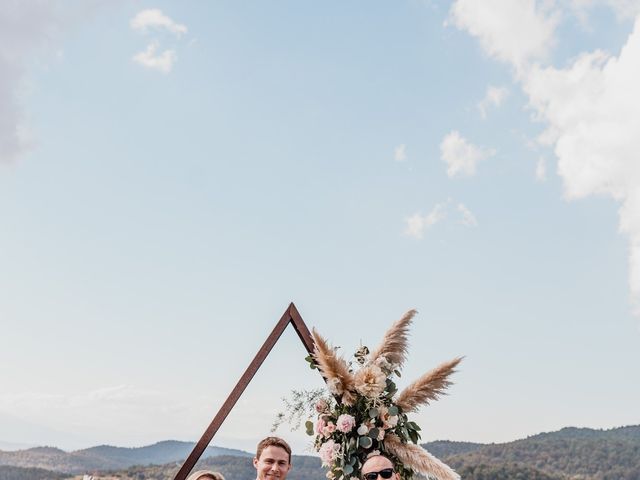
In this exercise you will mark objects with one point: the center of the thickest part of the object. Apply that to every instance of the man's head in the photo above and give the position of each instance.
(377, 467)
(273, 459)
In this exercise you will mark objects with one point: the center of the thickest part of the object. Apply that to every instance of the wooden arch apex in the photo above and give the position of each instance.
(290, 315)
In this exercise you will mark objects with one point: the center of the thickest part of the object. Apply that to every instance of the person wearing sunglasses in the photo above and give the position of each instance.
(378, 466)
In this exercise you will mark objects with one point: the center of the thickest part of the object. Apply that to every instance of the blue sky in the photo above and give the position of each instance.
(172, 175)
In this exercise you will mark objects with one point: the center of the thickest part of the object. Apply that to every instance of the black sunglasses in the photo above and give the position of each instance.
(385, 473)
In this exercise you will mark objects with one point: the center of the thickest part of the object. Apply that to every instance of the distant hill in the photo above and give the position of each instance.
(504, 472)
(578, 453)
(18, 473)
(106, 457)
(446, 448)
(569, 454)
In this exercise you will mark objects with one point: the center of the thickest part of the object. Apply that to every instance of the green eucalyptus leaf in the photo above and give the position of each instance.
(366, 442)
(397, 372)
(347, 469)
(309, 427)
(373, 433)
(351, 446)
(373, 412)
(393, 410)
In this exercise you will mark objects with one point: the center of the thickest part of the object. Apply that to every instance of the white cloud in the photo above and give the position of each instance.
(156, 61)
(514, 31)
(592, 112)
(25, 28)
(591, 108)
(468, 218)
(460, 155)
(29, 30)
(493, 98)
(155, 19)
(417, 223)
(624, 9)
(541, 169)
(400, 153)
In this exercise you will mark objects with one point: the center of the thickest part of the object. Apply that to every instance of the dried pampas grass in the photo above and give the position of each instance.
(334, 369)
(428, 387)
(418, 459)
(395, 342)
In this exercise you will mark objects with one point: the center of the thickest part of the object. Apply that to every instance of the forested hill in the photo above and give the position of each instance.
(106, 457)
(579, 453)
(569, 454)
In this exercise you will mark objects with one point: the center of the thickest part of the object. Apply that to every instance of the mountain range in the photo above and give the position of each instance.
(106, 457)
(568, 454)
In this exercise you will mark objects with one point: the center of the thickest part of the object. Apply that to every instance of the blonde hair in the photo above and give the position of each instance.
(208, 474)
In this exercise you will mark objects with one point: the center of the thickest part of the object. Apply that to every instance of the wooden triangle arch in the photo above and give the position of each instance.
(290, 315)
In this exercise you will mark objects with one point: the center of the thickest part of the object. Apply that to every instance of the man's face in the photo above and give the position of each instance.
(377, 463)
(273, 464)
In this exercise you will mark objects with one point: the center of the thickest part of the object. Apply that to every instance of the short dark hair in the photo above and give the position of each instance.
(273, 442)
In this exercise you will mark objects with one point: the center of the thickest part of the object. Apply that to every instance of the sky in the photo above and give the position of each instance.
(173, 174)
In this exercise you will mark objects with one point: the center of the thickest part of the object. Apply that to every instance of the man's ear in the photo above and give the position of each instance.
(255, 462)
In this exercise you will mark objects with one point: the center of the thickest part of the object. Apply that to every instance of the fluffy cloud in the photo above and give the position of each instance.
(29, 29)
(623, 8)
(468, 218)
(400, 153)
(592, 112)
(541, 170)
(493, 98)
(156, 61)
(460, 155)
(25, 28)
(417, 223)
(515, 31)
(591, 109)
(155, 19)
(151, 57)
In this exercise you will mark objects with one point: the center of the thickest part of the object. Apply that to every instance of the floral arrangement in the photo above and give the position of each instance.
(364, 415)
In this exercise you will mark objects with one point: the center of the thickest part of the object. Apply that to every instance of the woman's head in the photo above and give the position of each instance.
(205, 475)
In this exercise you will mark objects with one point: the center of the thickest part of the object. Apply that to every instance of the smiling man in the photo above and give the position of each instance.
(273, 459)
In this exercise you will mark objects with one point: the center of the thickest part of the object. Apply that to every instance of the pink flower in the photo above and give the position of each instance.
(346, 423)
(328, 452)
(321, 406)
(320, 426)
(392, 421)
(329, 429)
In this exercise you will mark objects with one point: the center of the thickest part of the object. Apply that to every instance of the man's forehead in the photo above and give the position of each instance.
(275, 452)
(376, 463)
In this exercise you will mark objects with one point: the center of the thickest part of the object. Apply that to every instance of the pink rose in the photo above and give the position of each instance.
(346, 423)
(320, 426)
(321, 406)
(328, 452)
(329, 429)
